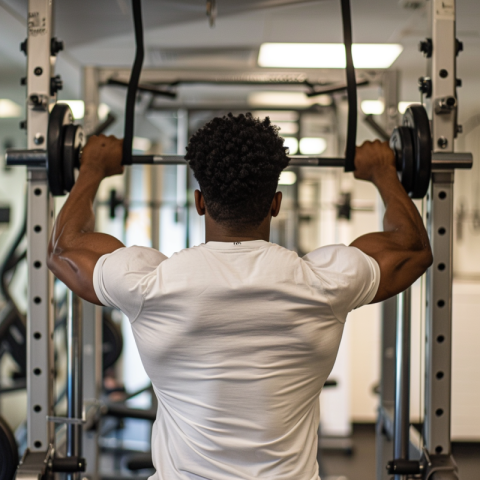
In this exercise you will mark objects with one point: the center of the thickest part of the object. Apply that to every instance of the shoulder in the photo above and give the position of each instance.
(127, 257)
(338, 257)
(349, 277)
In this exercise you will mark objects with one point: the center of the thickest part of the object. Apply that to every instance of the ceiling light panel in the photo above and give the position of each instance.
(292, 144)
(312, 145)
(280, 99)
(372, 107)
(277, 115)
(327, 55)
(287, 178)
(9, 109)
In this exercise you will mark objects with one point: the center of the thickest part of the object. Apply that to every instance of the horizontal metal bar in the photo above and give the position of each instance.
(295, 160)
(66, 420)
(451, 160)
(440, 160)
(32, 158)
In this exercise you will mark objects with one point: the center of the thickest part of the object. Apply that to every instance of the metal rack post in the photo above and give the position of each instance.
(39, 226)
(40, 361)
(401, 425)
(438, 353)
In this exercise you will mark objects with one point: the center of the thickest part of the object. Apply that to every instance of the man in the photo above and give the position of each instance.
(238, 335)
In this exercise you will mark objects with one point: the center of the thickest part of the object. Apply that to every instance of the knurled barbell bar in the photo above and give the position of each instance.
(410, 142)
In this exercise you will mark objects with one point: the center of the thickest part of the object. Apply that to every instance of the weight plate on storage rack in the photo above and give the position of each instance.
(401, 143)
(60, 116)
(417, 119)
(73, 142)
(8, 452)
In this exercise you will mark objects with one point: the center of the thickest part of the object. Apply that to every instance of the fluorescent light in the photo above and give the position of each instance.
(287, 128)
(141, 144)
(77, 106)
(286, 99)
(277, 115)
(103, 111)
(292, 144)
(372, 107)
(402, 106)
(327, 55)
(287, 178)
(9, 109)
(312, 145)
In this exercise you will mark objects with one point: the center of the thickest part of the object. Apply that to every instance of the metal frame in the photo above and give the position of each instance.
(442, 71)
(40, 361)
(436, 460)
(39, 226)
(91, 317)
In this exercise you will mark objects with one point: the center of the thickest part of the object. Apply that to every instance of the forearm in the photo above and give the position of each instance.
(77, 216)
(401, 217)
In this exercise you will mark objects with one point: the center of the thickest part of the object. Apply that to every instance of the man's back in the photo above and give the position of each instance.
(238, 340)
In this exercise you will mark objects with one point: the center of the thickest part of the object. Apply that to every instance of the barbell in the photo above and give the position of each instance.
(411, 143)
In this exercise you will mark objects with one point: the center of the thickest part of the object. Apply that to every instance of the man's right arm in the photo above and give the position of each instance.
(402, 250)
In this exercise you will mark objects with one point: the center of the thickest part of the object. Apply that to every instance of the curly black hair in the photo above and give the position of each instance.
(237, 161)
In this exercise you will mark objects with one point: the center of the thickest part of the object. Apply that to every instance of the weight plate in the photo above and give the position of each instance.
(417, 119)
(74, 141)
(401, 143)
(8, 452)
(60, 116)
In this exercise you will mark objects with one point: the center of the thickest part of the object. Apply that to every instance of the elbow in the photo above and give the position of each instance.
(53, 258)
(425, 256)
(52, 261)
(429, 258)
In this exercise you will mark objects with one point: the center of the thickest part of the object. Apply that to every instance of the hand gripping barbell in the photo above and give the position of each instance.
(411, 143)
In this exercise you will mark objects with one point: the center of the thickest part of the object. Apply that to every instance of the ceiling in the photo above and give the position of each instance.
(178, 35)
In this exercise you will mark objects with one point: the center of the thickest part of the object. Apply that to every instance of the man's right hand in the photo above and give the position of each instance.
(103, 154)
(373, 160)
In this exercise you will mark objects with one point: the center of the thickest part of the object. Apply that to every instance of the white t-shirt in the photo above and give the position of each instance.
(238, 340)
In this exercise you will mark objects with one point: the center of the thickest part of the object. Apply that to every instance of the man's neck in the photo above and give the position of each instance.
(216, 232)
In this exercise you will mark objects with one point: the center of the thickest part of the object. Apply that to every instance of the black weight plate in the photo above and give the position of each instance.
(60, 116)
(401, 143)
(8, 452)
(74, 141)
(417, 119)
(112, 340)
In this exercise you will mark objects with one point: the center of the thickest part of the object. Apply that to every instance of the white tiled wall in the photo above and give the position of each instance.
(466, 361)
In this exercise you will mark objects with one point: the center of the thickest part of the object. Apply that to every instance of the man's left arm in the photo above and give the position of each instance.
(75, 247)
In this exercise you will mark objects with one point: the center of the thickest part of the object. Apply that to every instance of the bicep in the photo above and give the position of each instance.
(399, 266)
(74, 264)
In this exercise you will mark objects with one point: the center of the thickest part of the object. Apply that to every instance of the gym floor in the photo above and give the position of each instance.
(337, 464)
(361, 465)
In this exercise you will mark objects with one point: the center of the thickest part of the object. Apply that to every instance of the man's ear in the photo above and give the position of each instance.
(276, 204)
(199, 203)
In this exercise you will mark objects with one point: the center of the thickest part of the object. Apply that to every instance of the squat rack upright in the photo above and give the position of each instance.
(405, 450)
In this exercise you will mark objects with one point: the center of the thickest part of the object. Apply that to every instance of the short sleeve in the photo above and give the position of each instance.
(349, 278)
(121, 279)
